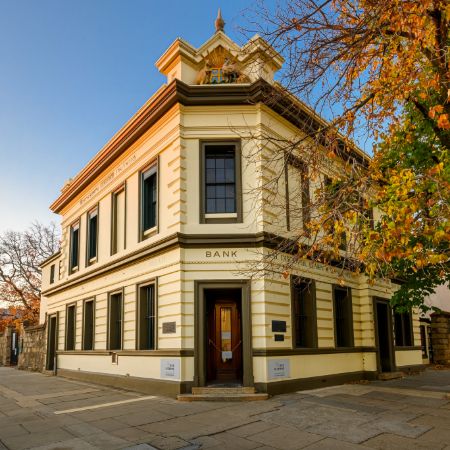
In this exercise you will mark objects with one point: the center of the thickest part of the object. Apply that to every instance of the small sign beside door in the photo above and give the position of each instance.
(170, 368)
(279, 326)
(169, 327)
(278, 368)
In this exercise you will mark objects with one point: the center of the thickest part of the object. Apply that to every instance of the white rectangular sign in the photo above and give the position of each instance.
(278, 368)
(170, 368)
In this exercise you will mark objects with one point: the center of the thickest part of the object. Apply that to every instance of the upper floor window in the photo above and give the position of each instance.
(221, 182)
(298, 202)
(343, 317)
(52, 274)
(304, 313)
(149, 200)
(118, 221)
(92, 236)
(403, 329)
(330, 202)
(74, 246)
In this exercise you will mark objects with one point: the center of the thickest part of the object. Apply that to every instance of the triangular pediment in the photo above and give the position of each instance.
(219, 39)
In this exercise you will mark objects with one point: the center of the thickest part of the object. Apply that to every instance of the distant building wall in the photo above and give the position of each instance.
(5, 347)
(440, 337)
(33, 348)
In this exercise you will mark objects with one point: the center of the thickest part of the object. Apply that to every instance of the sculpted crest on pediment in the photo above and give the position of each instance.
(220, 67)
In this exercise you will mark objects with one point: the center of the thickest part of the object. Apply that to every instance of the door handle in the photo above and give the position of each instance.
(236, 346)
(214, 345)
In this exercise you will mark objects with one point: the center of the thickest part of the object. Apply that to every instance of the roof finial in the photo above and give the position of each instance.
(219, 22)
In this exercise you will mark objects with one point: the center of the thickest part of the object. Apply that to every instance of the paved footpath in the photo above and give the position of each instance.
(53, 413)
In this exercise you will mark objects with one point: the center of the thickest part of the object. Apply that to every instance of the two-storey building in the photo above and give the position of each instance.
(152, 288)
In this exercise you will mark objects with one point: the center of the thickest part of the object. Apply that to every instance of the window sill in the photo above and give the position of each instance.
(149, 233)
(221, 218)
(407, 347)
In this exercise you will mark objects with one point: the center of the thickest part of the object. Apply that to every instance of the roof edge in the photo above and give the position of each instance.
(287, 106)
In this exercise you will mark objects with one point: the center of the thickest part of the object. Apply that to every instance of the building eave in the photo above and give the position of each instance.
(50, 259)
(153, 110)
(287, 106)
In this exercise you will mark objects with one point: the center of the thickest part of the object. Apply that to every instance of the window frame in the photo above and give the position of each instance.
(423, 340)
(52, 273)
(296, 281)
(152, 282)
(327, 180)
(410, 336)
(94, 259)
(72, 268)
(108, 318)
(74, 337)
(215, 218)
(297, 163)
(351, 331)
(114, 194)
(145, 234)
(83, 330)
(51, 342)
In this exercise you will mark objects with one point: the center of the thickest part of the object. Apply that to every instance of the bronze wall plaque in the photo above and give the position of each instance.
(169, 327)
(279, 326)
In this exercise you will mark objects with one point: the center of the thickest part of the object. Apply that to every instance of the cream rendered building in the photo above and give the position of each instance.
(151, 288)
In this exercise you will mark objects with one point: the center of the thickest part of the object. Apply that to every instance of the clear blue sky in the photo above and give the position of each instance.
(72, 72)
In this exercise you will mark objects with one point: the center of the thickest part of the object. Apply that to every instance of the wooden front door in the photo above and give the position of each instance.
(224, 346)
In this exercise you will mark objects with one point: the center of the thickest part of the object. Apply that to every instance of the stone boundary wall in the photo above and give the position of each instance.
(5, 347)
(440, 337)
(32, 348)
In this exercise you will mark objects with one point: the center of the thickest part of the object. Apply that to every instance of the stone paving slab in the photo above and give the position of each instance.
(393, 442)
(347, 429)
(72, 444)
(397, 414)
(284, 437)
(252, 428)
(333, 444)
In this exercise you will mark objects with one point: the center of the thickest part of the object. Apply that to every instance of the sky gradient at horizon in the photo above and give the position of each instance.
(71, 74)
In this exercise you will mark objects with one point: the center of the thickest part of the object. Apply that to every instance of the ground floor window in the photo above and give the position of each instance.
(146, 317)
(343, 316)
(403, 329)
(88, 325)
(70, 327)
(304, 313)
(115, 321)
(423, 341)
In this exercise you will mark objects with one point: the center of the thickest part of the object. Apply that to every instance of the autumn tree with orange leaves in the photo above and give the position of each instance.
(379, 69)
(21, 254)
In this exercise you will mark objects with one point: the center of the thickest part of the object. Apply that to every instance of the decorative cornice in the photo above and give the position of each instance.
(160, 246)
(133, 130)
(174, 241)
(178, 92)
